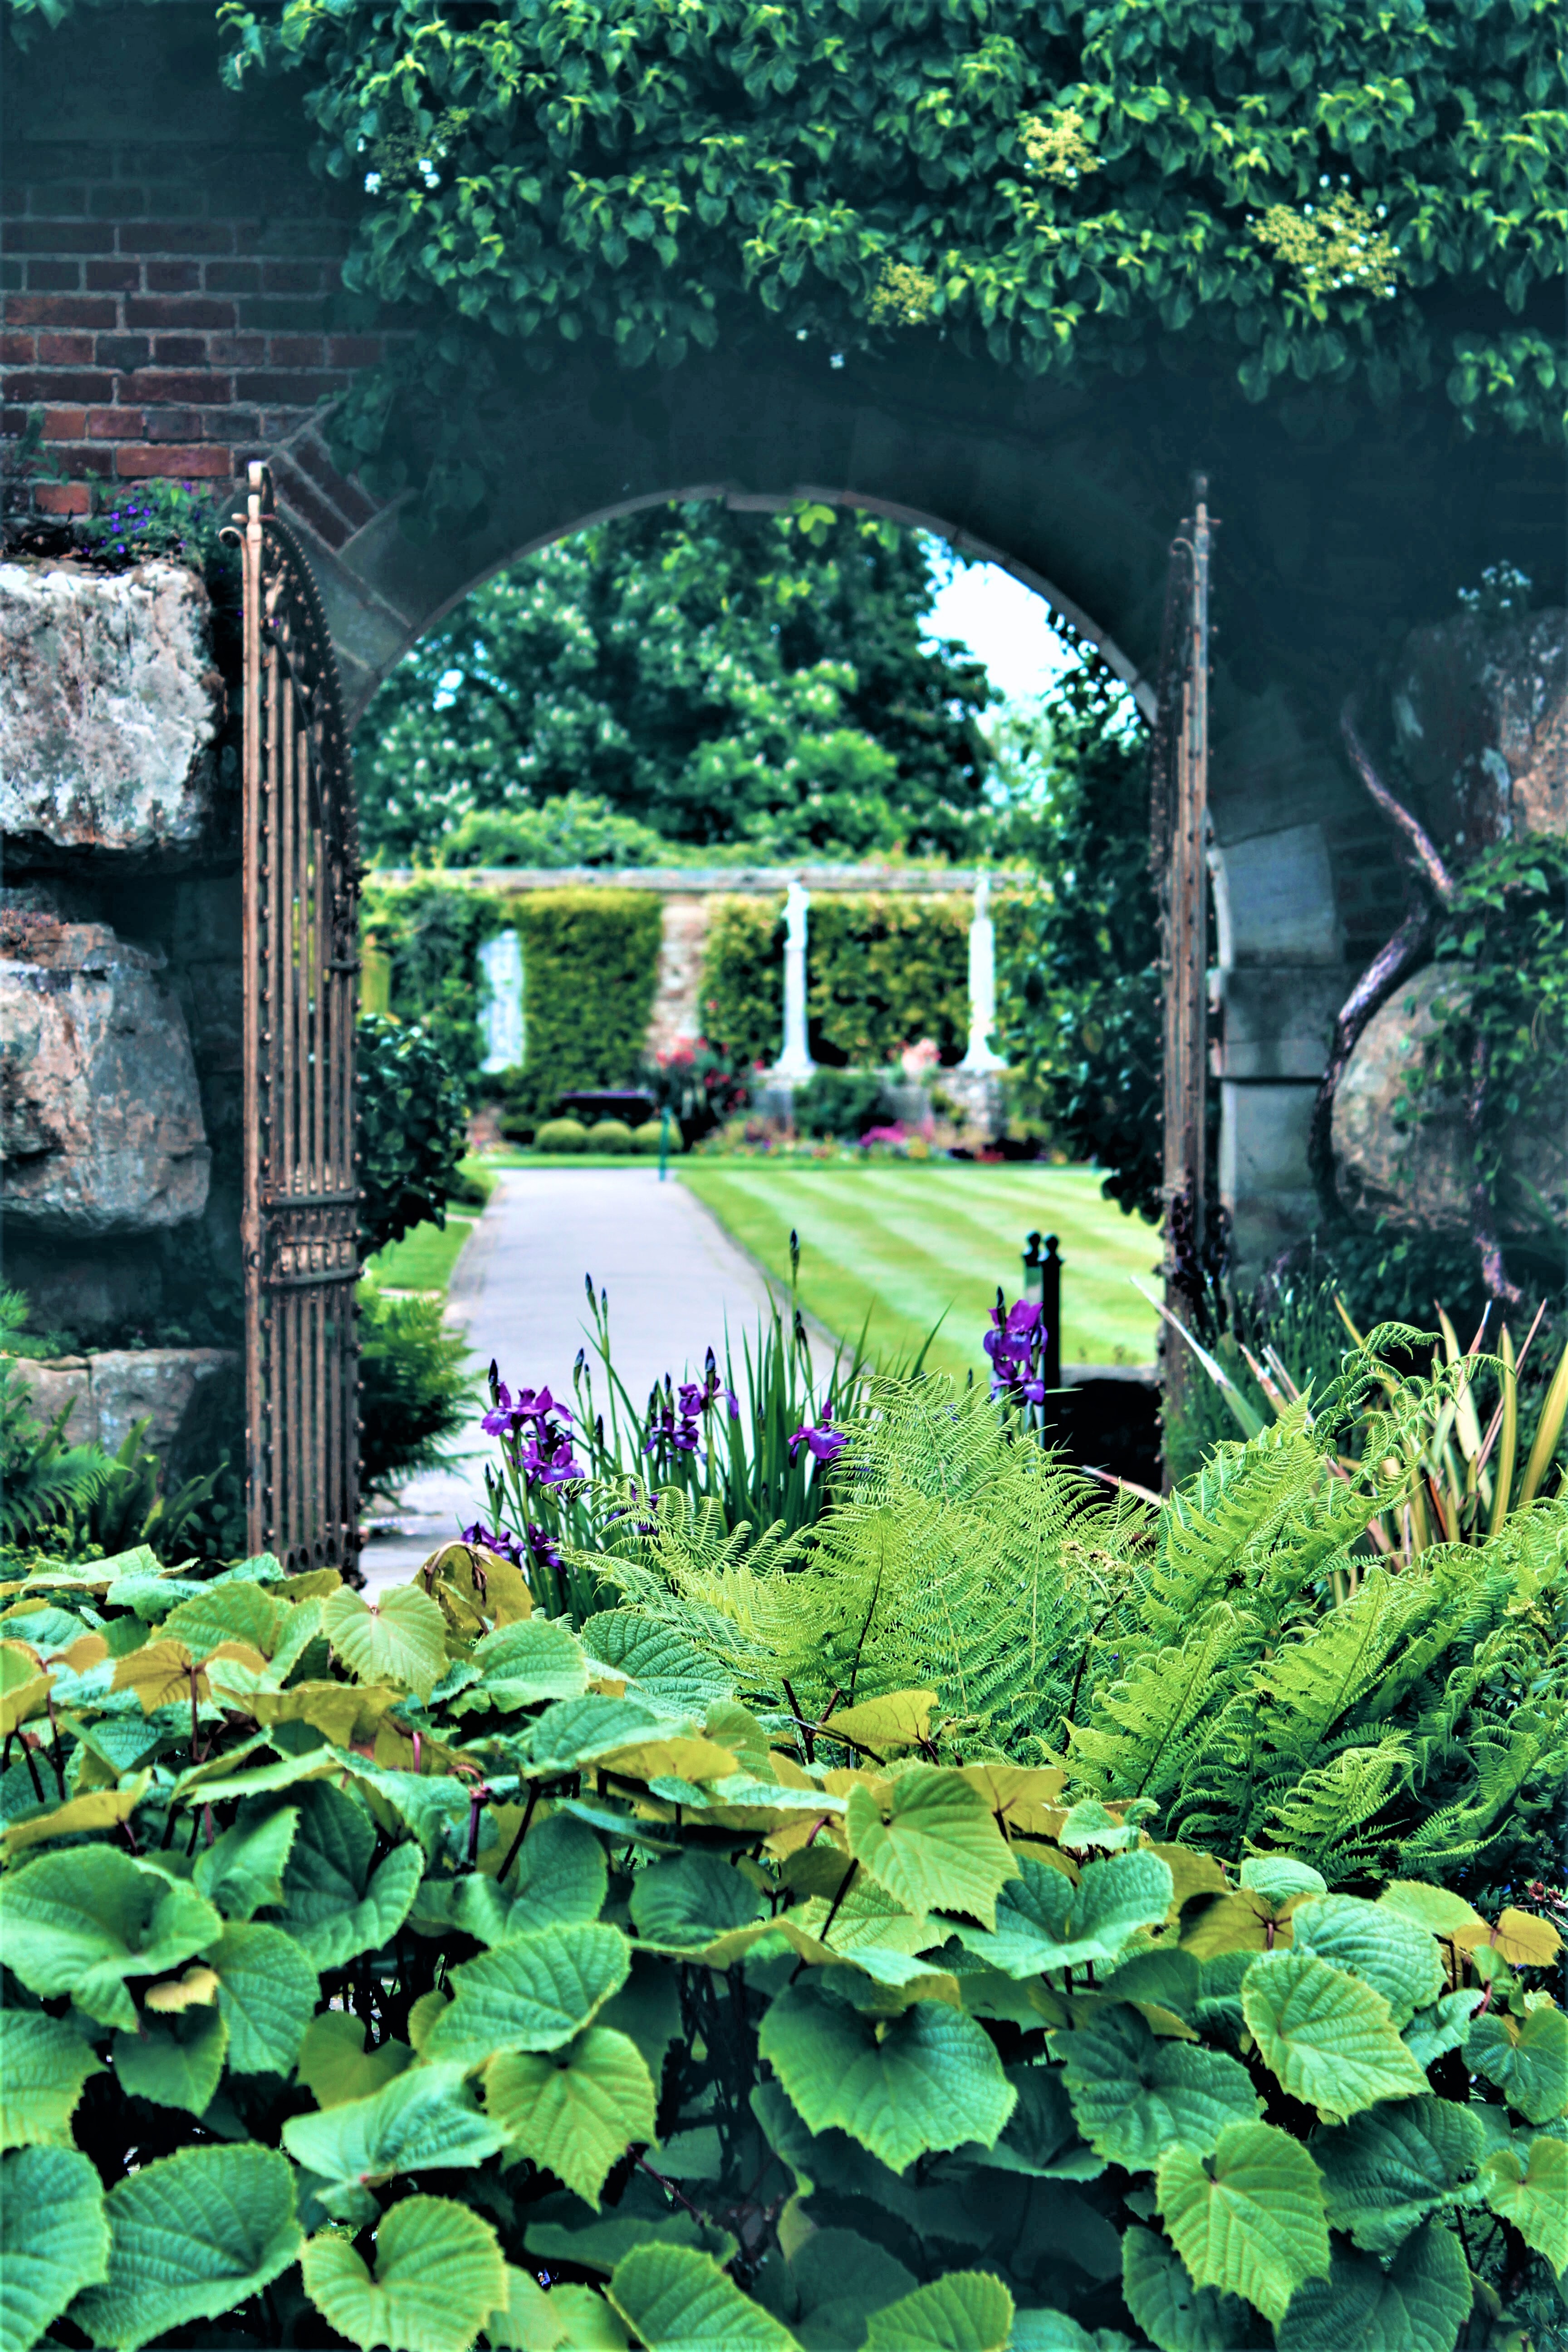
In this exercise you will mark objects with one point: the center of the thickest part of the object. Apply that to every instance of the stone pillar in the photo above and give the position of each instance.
(677, 1007)
(501, 1014)
(794, 1063)
(981, 983)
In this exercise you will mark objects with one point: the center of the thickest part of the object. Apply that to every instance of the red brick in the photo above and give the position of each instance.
(65, 350)
(346, 496)
(60, 237)
(65, 425)
(60, 384)
(301, 391)
(296, 350)
(62, 497)
(355, 350)
(123, 351)
(181, 461)
(176, 424)
(175, 236)
(180, 350)
(53, 276)
(172, 310)
(291, 277)
(233, 277)
(114, 277)
(17, 351)
(157, 384)
(173, 277)
(237, 351)
(61, 311)
(113, 424)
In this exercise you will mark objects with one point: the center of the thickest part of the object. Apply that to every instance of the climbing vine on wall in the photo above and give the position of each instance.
(1062, 186)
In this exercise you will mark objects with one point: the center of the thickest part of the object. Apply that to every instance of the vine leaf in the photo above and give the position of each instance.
(175, 2062)
(334, 2064)
(563, 2320)
(1328, 2038)
(44, 2067)
(83, 1922)
(1532, 2196)
(675, 2299)
(559, 1875)
(1133, 2095)
(400, 1637)
(692, 1898)
(1395, 1954)
(1420, 2301)
(438, 2275)
(54, 2238)
(536, 1658)
(1249, 2221)
(1528, 2062)
(1177, 2316)
(535, 1994)
(1044, 1921)
(1388, 2168)
(244, 1868)
(932, 1842)
(191, 2237)
(576, 2112)
(966, 2311)
(267, 1992)
(423, 2118)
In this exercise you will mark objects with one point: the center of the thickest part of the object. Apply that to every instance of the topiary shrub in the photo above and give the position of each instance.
(648, 1137)
(610, 1135)
(589, 963)
(561, 1135)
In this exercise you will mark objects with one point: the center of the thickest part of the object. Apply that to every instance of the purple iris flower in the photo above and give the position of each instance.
(1016, 1347)
(825, 1442)
(496, 1539)
(545, 1457)
(507, 1419)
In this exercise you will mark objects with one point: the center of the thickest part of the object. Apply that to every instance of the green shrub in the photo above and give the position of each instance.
(561, 1135)
(610, 1135)
(431, 930)
(590, 960)
(573, 828)
(741, 986)
(744, 2026)
(416, 1392)
(652, 1137)
(842, 1103)
(414, 1129)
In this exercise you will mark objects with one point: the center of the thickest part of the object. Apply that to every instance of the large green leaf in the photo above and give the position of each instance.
(559, 1875)
(667, 1672)
(176, 2061)
(43, 2066)
(398, 1637)
(564, 2319)
(831, 2285)
(422, 2118)
(1248, 2221)
(1395, 1954)
(1174, 2313)
(244, 1868)
(1433, 2032)
(1328, 2038)
(1532, 2196)
(967, 2311)
(691, 1899)
(535, 1994)
(931, 1841)
(267, 1992)
(237, 1612)
(928, 2079)
(54, 2238)
(335, 2065)
(537, 1658)
(1133, 2095)
(1044, 1921)
(1385, 2170)
(334, 1903)
(191, 2236)
(1418, 2304)
(439, 2273)
(1528, 2062)
(83, 1922)
(675, 2299)
(575, 2112)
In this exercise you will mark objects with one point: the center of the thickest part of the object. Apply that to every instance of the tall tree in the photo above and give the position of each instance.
(728, 679)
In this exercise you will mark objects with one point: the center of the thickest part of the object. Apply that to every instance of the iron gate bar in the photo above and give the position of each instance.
(300, 1225)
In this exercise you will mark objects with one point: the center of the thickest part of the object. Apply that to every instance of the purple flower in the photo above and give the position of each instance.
(1016, 1347)
(496, 1539)
(506, 1419)
(825, 1442)
(545, 1457)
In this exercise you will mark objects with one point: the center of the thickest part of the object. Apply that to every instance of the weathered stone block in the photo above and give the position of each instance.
(101, 1118)
(1480, 718)
(109, 710)
(191, 1397)
(1418, 1176)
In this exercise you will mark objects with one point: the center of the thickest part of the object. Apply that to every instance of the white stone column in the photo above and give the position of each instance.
(500, 1010)
(794, 1063)
(981, 983)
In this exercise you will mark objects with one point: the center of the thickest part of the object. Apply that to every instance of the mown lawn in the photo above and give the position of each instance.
(903, 1242)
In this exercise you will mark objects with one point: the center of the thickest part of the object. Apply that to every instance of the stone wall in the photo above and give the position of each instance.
(120, 993)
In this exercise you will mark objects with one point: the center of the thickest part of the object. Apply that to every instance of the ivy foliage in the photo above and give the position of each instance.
(370, 1963)
(1307, 193)
(1080, 989)
(412, 1128)
(752, 682)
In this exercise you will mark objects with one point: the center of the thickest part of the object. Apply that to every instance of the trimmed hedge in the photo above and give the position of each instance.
(881, 971)
(590, 968)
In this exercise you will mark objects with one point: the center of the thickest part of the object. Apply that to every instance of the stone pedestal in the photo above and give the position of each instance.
(192, 1399)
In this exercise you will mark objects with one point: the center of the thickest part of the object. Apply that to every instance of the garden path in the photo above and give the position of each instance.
(673, 1276)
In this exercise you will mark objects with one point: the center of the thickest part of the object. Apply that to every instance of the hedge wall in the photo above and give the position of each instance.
(590, 968)
(881, 971)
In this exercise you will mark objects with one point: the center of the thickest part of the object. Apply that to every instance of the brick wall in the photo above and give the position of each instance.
(170, 292)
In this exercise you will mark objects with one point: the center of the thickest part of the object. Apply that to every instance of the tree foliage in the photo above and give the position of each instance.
(1080, 987)
(1306, 192)
(724, 680)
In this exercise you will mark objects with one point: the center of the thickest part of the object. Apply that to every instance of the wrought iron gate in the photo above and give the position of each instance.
(301, 958)
(1179, 830)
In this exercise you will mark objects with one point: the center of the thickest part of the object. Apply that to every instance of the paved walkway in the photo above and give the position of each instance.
(673, 1276)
